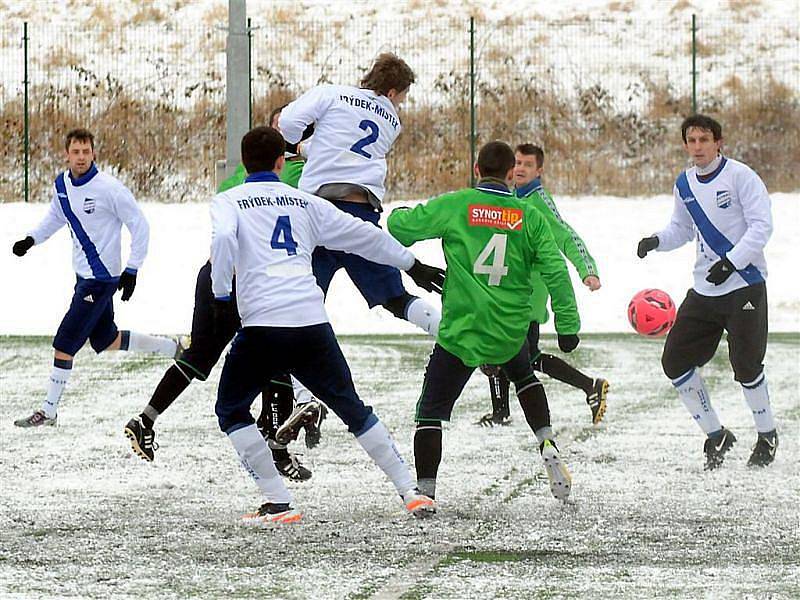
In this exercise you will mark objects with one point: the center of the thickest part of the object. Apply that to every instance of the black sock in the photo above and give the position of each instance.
(428, 455)
(534, 404)
(279, 454)
(168, 389)
(563, 371)
(498, 388)
(277, 402)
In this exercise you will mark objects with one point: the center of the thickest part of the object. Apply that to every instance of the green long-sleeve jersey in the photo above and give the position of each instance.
(290, 175)
(492, 241)
(568, 241)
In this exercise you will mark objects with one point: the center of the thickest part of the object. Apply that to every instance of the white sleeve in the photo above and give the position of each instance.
(680, 229)
(337, 230)
(304, 111)
(129, 213)
(52, 222)
(757, 215)
(224, 246)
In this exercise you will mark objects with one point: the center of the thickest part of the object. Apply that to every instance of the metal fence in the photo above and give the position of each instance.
(603, 97)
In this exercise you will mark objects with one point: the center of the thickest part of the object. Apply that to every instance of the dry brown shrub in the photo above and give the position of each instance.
(61, 57)
(147, 15)
(680, 6)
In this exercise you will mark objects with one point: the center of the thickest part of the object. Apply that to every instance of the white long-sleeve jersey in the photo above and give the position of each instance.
(354, 129)
(94, 207)
(266, 231)
(729, 215)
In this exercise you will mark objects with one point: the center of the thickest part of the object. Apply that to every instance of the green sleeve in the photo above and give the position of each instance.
(291, 172)
(424, 221)
(569, 242)
(549, 263)
(238, 177)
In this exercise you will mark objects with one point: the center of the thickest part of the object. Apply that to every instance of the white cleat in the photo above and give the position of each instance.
(269, 514)
(557, 472)
(419, 505)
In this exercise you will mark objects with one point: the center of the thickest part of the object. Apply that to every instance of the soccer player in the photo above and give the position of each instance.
(354, 129)
(492, 241)
(94, 205)
(724, 205)
(266, 231)
(528, 172)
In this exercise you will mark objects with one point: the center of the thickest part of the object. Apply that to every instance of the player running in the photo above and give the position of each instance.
(528, 171)
(724, 205)
(266, 231)
(94, 205)
(492, 241)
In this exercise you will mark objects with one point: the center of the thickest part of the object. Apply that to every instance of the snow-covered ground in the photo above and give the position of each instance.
(38, 286)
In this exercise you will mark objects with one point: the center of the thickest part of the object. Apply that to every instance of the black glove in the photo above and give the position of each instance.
(568, 343)
(428, 278)
(720, 271)
(226, 318)
(645, 245)
(21, 247)
(127, 283)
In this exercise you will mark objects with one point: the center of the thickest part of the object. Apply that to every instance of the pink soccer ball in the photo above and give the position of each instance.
(651, 313)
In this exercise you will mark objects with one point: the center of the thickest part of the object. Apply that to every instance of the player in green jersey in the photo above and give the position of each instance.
(527, 179)
(491, 241)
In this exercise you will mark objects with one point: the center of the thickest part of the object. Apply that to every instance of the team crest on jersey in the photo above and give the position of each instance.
(481, 215)
(723, 199)
(88, 206)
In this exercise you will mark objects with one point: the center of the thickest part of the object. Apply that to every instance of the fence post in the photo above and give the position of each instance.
(694, 63)
(250, 71)
(472, 100)
(25, 118)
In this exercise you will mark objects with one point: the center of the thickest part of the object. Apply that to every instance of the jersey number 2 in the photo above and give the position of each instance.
(283, 227)
(372, 136)
(497, 269)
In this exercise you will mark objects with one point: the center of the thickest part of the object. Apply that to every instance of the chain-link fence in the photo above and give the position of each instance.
(604, 98)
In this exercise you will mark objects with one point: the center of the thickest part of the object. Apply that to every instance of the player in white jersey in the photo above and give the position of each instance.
(354, 130)
(266, 231)
(94, 205)
(723, 205)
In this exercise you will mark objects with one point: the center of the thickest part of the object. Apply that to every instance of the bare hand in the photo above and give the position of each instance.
(592, 282)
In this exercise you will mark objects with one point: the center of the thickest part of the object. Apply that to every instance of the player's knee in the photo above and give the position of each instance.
(398, 305)
(746, 373)
(672, 367)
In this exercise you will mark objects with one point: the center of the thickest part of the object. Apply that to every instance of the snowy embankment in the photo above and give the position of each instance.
(37, 288)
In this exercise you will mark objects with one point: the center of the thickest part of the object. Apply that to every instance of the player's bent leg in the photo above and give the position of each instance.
(596, 390)
(499, 387)
(427, 455)
(47, 415)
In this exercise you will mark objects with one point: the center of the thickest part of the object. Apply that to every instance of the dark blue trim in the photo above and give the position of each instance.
(131, 270)
(85, 178)
(372, 419)
(715, 239)
(683, 379)
(92, 256)
(262, 176)
(529, 188)
(711, 176)
(758, 382)
(493, 187)
(223, 298)
(236, 427)
(124, 339)
(62, 363)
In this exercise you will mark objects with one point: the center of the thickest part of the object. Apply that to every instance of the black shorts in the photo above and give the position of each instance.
(446, 375)
(698, 329)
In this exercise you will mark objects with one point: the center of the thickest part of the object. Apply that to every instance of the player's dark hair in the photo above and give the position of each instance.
(261, 147)
(701, 122)
(276, 111)
(80, 134)
(532, 150)
(388, 72)
(495, 159)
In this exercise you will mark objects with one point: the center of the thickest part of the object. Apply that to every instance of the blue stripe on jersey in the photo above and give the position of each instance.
(92, 256)
(715, 239)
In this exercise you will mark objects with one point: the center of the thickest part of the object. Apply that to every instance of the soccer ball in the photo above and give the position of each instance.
(651, 313)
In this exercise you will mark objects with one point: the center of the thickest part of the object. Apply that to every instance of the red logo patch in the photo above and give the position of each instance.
(481, 215)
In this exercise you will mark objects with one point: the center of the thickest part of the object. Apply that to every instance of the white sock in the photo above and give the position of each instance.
(301, 393)
(757, 396)
(256, 459)
(694, 395)
(141, 342)
(424, 316)
(58, 381)
(378, 443)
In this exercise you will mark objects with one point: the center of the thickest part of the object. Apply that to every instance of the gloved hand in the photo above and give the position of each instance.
(21, 247)
(427, 277)
(720, 271)
(226, 317)
(646, 245)
(568, 343)
(127, 283)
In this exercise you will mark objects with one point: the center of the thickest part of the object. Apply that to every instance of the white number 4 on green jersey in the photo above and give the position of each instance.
(497, 269)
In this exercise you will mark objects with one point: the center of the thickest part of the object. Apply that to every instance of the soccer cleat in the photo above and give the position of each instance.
(557, 472)
(272, 514)
(302, 415)
(292, 469)
(492, 419)
(715, 448)
(314, 429)
(37, 419)
(143, 439)
(419, 504)
(597, 400)
(764, 450)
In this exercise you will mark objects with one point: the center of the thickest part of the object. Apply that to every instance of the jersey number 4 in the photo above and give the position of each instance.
(283, 228)
(497, 269)
(372, 136)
